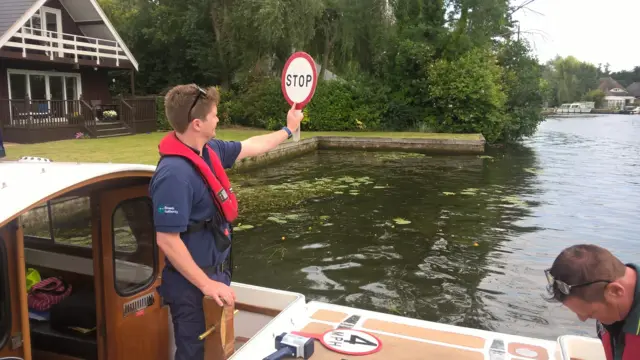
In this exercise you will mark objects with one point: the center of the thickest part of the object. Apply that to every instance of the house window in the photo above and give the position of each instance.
(34, 24)
(42, 94)
(43, 85)
(134, 246)
(45, 22)
(5, 299)
(62, 221)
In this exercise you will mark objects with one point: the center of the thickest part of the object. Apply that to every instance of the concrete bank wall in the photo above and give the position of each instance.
(422, 145)
(285, 151)
(408, 144)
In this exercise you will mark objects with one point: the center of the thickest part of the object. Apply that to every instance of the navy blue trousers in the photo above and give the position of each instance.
(185, 305)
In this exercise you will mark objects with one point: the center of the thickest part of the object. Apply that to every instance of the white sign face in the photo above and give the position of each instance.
(299, 79)
(352, 342)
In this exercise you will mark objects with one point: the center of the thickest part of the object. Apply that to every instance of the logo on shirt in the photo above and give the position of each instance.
(167, 210)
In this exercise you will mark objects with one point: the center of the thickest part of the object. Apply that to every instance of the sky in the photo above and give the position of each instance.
(596, 31)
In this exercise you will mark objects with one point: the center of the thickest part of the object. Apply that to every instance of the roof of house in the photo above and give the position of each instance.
(87, 14)
(12, 10)
(634, 89)
(611, 87)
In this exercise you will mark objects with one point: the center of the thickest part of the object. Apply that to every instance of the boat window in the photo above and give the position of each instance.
(63, 221)
(134, 245)
(5, 299)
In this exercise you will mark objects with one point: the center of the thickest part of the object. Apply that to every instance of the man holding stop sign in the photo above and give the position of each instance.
(194, 207)
(194, 204)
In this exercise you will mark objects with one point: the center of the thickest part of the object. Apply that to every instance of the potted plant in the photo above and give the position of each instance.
(109, 115)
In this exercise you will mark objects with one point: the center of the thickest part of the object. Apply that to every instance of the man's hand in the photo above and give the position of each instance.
(219, 292)
(294, 117)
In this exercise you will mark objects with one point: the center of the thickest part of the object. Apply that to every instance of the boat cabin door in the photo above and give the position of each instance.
(135, 321)
(12, 341)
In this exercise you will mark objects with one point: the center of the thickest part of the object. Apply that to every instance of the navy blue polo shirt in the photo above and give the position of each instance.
(180, 196)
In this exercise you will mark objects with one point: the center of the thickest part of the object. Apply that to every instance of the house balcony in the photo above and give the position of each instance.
(63, 47)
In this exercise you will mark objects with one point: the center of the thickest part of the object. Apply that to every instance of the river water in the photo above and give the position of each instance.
(454, 239)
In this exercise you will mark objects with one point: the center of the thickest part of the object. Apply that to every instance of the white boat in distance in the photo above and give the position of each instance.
(132, 321)
(576, 108)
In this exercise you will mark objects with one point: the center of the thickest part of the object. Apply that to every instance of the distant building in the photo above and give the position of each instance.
(634, 90)
(616, 96)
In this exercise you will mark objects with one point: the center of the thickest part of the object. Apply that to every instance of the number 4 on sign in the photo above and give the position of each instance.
(299, 80)
(347, 341)
(355, 339)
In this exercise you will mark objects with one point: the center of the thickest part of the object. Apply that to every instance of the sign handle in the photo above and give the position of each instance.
(296, 134)
(307, 335)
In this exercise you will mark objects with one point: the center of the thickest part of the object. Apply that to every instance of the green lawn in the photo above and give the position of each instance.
(143, 148)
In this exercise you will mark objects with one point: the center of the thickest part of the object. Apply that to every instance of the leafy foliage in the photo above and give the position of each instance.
(430, 65)
(466, 95)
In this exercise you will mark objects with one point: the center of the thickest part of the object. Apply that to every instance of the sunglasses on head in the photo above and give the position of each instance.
(201, 93)
(562, 286)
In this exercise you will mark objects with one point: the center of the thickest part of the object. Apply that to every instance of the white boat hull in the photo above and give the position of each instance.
(402, 338)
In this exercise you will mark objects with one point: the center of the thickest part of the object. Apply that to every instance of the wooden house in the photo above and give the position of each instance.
(54, 61)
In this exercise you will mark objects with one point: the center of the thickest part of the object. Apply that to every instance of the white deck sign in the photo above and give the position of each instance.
(347, 341)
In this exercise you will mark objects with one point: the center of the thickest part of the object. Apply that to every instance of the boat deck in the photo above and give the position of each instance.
(403, 338)
(403, 341)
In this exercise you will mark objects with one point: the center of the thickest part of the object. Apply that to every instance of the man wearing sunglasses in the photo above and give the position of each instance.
(194, 206)
(594, 284)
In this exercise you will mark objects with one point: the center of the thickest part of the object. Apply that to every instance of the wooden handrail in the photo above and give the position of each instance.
(89, 123)
(128, 114)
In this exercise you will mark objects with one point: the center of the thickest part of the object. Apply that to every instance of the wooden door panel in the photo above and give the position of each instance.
(136, 323)
(8, 249)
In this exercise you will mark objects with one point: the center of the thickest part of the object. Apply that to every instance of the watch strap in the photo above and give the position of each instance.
(288, 132)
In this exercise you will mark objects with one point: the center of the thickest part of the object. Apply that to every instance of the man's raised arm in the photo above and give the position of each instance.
(260, 144)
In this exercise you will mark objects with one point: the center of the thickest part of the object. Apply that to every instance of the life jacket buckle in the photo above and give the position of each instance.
(223, 196)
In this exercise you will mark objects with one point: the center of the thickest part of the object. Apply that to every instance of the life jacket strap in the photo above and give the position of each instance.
(199, 226)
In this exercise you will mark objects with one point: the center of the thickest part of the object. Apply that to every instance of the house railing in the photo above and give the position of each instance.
(127, 115)
(27, 113)
(40, 114)
(144, 108)
(57, 44)
(89, 117)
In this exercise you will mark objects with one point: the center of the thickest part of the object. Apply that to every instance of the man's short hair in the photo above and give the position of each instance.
(180, 98)
(580, 264)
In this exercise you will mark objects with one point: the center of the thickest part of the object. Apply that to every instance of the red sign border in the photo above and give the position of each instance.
(299, 54)
(320, 338)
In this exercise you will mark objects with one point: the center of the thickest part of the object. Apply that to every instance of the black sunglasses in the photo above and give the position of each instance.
(201, 93)
(562, 286)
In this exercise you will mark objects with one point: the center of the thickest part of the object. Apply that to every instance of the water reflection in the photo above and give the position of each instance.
(587, 191)
(454, 239)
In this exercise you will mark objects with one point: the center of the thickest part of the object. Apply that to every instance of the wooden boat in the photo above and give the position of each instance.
(91, 224)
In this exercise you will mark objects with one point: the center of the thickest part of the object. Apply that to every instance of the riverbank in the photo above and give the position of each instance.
(142, 148)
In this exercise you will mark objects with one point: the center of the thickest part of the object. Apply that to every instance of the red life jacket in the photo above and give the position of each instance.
(218, 183)
(630, 351)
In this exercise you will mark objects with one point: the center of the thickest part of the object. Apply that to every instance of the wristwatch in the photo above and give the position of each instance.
(288, 132)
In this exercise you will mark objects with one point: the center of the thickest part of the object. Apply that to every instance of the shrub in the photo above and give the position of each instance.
(466, 95)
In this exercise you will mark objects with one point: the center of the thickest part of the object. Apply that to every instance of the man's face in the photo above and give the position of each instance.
(607, 310)
(207, 126)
